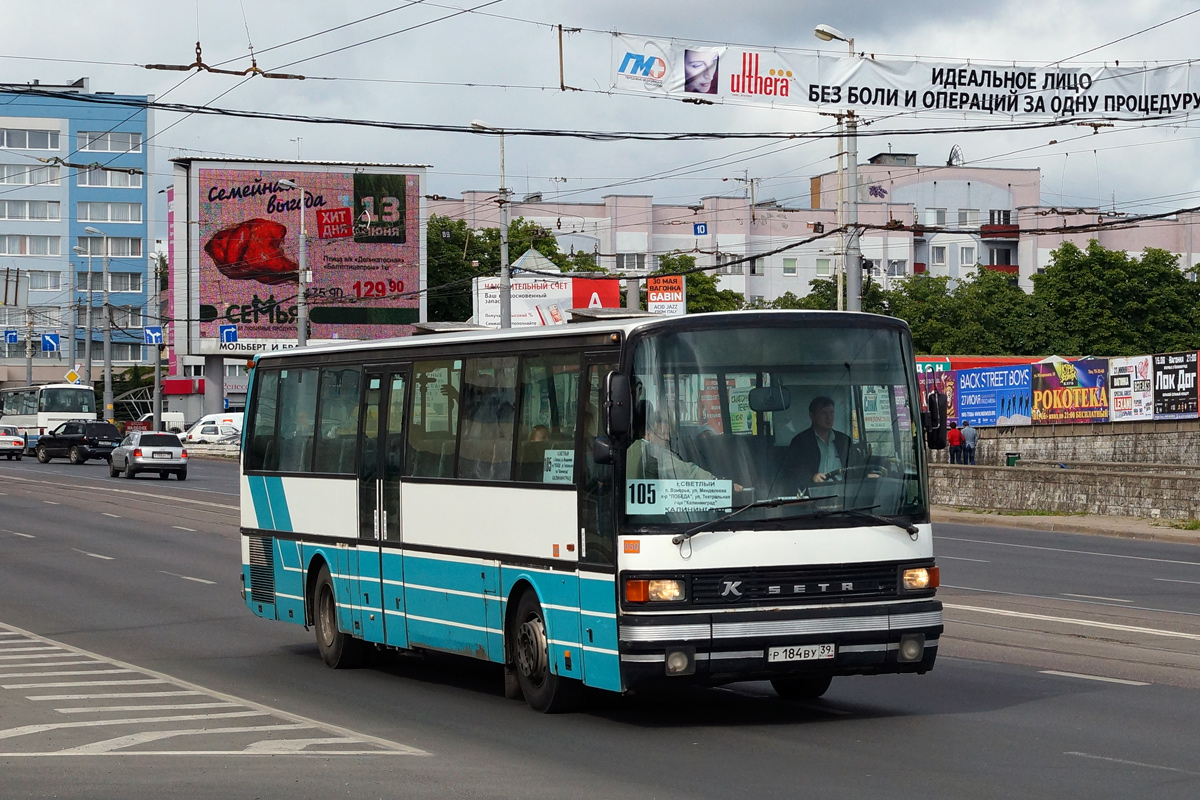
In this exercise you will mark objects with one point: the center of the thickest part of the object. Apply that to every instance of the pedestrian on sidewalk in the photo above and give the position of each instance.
(954, 438)
(970, 437)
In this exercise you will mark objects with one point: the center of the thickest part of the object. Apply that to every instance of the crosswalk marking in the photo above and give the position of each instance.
(171, 707)
(108, 695)
(63, 684)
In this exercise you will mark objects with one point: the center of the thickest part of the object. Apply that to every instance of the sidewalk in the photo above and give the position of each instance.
(1125, 527)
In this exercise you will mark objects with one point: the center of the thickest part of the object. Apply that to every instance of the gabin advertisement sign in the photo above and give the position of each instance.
(363, 253)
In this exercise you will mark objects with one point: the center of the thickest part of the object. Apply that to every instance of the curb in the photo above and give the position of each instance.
(1119, 527)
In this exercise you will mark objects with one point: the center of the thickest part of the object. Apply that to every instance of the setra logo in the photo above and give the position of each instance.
(643, 67)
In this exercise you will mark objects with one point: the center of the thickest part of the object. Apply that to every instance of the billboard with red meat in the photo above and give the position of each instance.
(363, 254)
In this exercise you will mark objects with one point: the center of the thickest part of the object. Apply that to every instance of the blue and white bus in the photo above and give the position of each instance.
(615, 504)
(37, 409)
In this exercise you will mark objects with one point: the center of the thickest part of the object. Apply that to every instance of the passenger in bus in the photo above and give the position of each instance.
(539, 433)
(650, 456)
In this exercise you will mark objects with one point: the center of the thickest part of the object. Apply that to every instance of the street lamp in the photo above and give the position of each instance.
(505, 275)
(87, 344)
(106, 324)
(852, 260)
(302, 278)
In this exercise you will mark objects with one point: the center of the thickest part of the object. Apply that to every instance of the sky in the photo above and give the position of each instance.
(433, 64)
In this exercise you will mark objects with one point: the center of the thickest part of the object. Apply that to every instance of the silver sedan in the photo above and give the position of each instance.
(146, 451)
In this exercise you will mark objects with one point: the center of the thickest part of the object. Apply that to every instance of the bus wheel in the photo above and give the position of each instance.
(808, 687)
(543, 690)
(338, 650)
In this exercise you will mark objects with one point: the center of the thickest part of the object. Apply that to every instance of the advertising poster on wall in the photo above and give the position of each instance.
(1130, 389)
(1175, 386)
(1070, 391)
(363, 253)
(944, 382)
(542, 301)
(994, 396)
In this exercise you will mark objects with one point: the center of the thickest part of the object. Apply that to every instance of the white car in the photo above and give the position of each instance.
(210, 433)
(12, 443)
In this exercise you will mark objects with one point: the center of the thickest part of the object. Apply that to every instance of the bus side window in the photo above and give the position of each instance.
(263, 453)
(337, 431)
(433, 429)
(489, 394)
(546, 424)
(297, 418)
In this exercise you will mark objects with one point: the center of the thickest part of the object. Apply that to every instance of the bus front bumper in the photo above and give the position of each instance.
(759, 645)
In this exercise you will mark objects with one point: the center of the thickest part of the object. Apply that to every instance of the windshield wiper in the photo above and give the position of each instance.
(768, 503)
(864, 512)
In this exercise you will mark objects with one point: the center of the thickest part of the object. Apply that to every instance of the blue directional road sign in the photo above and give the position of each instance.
(152, 334)
(226, 404)
(700, 229)
(11, 337)
(228, 333)
(50, 343)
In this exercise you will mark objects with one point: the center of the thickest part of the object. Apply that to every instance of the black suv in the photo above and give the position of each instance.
(78, 440)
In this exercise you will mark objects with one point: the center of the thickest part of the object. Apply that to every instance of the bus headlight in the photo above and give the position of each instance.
(919, 578)
(657, 590)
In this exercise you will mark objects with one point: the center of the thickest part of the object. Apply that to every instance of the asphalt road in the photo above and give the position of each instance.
(1067, 670)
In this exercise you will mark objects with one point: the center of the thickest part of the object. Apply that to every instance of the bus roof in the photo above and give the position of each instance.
(839, 319)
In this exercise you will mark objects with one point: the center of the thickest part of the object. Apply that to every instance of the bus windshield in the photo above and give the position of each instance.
(69, 400)
(727, 418)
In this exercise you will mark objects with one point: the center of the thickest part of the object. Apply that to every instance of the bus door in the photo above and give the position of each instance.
(379, 599)
(597, 538)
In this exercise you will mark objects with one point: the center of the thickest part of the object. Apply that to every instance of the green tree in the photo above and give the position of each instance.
(925, 303)
(700, 287)
(1107, 303)
(822, 296)
(991, 315)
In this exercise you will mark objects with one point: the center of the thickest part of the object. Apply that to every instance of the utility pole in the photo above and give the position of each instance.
(505, 273)
(28, 346)
(106, 322)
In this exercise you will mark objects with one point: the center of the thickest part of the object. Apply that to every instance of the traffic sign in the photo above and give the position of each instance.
(228, 333)
(226, 403)
(72, 376)
(11, 337)
(152, 334)
(700, 229)
(50, 343)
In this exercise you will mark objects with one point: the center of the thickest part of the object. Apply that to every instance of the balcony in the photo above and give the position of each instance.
(1000, 232)
(1007, 269)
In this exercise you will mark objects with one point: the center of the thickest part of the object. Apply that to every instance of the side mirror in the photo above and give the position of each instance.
(602, 450)
(618, 405)
(935, 432)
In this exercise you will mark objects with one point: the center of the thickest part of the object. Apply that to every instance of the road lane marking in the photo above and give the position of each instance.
(59, 673)
(65, 684)
(154, 495)
(1111, 626)
(188, 577)
(22, 535)
(170, 707)
(959, 558)
(109, 745)
(93, 555)
(1060, 598)
(1094, 597)
(1132, 763)
(1092, 677)
(115, 516)
(25, 730)
(109, 695)
(51, 503)
(181, 528)
(1172, 580)
(1074, 552)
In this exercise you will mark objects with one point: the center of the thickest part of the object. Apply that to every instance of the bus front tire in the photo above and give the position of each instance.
(338, 650)
(543, 690)
(807, 687)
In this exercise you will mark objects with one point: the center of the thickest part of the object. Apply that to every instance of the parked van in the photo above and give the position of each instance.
(170, 420)
(212, 427)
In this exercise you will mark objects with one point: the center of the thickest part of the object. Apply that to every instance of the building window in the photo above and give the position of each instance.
(935, 216)
(81, 280)
(22, 175)
(1001, 257)
(968, 218)
(999, 216)
(756, 267)
(40, 210)
(15, 139)
(43, 281)
(823, 268)
(966, 256)
(235, 370)
(110, 142)
(124, 281)
(118, 246)
(126, 351)
(127, 316)
(114, 178)
(897, 267)
(631, 261)
(724, 265)
(22, 245)
(789, 266)
(937, 256)
(110, 212)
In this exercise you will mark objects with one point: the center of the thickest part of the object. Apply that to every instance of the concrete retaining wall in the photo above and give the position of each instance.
(1174, 442)
(1087, 491)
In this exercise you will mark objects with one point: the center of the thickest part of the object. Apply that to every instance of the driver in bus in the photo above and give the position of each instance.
(819, 453)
